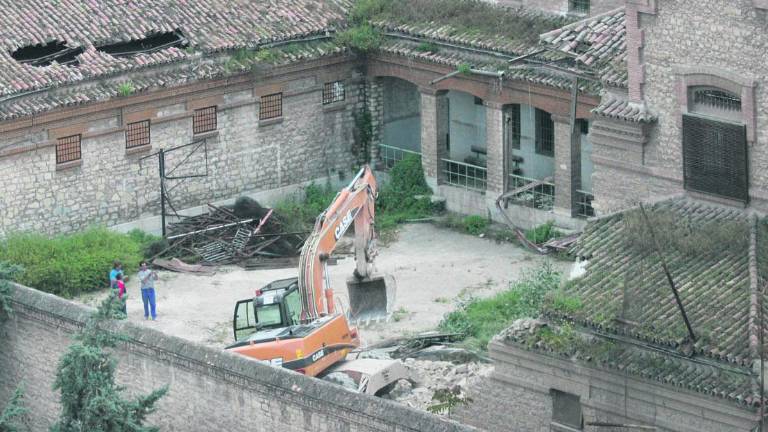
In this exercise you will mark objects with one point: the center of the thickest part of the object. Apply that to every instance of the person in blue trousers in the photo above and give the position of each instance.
(147, 280)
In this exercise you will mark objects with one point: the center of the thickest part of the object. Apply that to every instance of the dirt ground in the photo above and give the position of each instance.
(432, 266)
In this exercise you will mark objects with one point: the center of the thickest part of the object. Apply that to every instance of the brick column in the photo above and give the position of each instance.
(434, 132)
(567, 166)
(495, 148)
(375, 105)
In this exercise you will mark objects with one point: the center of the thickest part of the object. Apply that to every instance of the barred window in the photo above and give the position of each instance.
(545, 133)
(579, 6)
(271, 106)
(333, 92)
(204, 120)
(513, 126)
(137, 134)
(714, 102)
(68, 149)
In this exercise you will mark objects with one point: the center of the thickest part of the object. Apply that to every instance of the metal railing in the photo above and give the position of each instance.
(465, 175)
(584, 204)
(541, 196)
(390, 155)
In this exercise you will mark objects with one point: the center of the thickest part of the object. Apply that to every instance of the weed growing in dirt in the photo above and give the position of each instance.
(475, 225)
(543, 233)
(480, 319)
(70, 264)
(400, 314)
(447, 399)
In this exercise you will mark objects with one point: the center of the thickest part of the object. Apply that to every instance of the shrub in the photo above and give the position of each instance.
(298, 213)
(427, 47)
(126, 88)
(70, 264)
(475, 225)
(480, 319)
(13, 411)
(362, 38)
(542, 233)
(8, 272)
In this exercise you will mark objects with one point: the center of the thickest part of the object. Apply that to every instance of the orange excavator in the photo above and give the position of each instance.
(294, 323)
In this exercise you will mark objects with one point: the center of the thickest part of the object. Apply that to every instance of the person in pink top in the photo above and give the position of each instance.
(121, 290)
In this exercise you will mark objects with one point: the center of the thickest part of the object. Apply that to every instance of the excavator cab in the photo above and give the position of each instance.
(275, 305)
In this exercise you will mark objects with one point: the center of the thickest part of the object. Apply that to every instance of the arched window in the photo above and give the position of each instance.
(715, 144)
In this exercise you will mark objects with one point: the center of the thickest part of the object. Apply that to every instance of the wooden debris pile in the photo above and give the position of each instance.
(245, 232)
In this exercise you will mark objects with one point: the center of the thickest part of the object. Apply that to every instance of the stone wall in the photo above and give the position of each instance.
(517, 397)
(208, 389)
(596, 7)
(110, 185)
(688, 42)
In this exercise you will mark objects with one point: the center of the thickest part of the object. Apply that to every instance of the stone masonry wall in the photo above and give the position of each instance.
(209, 390)
(244, 155)
(723, 39)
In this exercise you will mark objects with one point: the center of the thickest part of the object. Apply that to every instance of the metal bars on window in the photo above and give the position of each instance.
(204, 120)
(68, 149)
(137, 134)
(545, 133)
(514, 125)
(579, 6)
(333, 92)
(584, 204)
(716, 99)
(271, 106)
(715, 157)
(465, 175)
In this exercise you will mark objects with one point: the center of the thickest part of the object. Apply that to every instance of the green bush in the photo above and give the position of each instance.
(362, 38)
(480, 319)
(405, 196)
(8, 272)
(71, 264)
(543, 233)
(475, 225)
(298, 213)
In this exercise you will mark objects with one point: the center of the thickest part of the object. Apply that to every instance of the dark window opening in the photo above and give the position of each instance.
(271, 106)
(137, 134)
(579, 6)
(333, 92)
(566, 409)
(478, 101)
(582, 125)
(153, 42)
(715, 158)
(68, 149)
(204, 120)
(545, 133)
(44, 55)
(514, 125)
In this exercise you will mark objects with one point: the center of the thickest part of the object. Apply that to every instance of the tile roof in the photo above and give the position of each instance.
(598, 43)
(621, 109)
(624, 297)
(208, 26)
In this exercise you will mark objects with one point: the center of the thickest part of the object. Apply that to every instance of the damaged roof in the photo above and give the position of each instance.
(717, 262)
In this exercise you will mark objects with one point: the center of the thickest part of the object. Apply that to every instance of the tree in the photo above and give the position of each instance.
(90, 399)
(8, 272)
(13, 411)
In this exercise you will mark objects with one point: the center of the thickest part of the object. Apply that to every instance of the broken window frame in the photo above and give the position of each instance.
(137, 134)
(205, 120)
(545, 133)
(271, 106)
(69, 149)
(334, 92)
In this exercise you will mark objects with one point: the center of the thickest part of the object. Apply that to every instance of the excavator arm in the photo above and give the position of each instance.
(352, 205)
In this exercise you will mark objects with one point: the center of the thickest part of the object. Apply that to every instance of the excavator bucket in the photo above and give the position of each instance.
(371, 298)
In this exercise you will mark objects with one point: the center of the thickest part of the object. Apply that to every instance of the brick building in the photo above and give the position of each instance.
(267, 99)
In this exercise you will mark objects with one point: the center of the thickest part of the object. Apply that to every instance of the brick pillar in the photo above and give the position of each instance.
(374, 90)
(434, 131)
(567, 166)
(495, 148)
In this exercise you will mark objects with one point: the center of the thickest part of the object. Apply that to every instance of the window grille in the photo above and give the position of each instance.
(716, 99)
(566, 409)
(271, 106)
(68, 149)
(579, 6)
(545, 133)
(333, 92)
(715, 157)
(137, 134)
(514, 125)
(204, 120)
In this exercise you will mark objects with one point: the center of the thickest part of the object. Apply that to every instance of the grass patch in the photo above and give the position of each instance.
(400, 314)
(543, 233)
(427, 47)
(362, 38)
(480, 319)
(126, 89)
(475, 225)
(68, 265)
